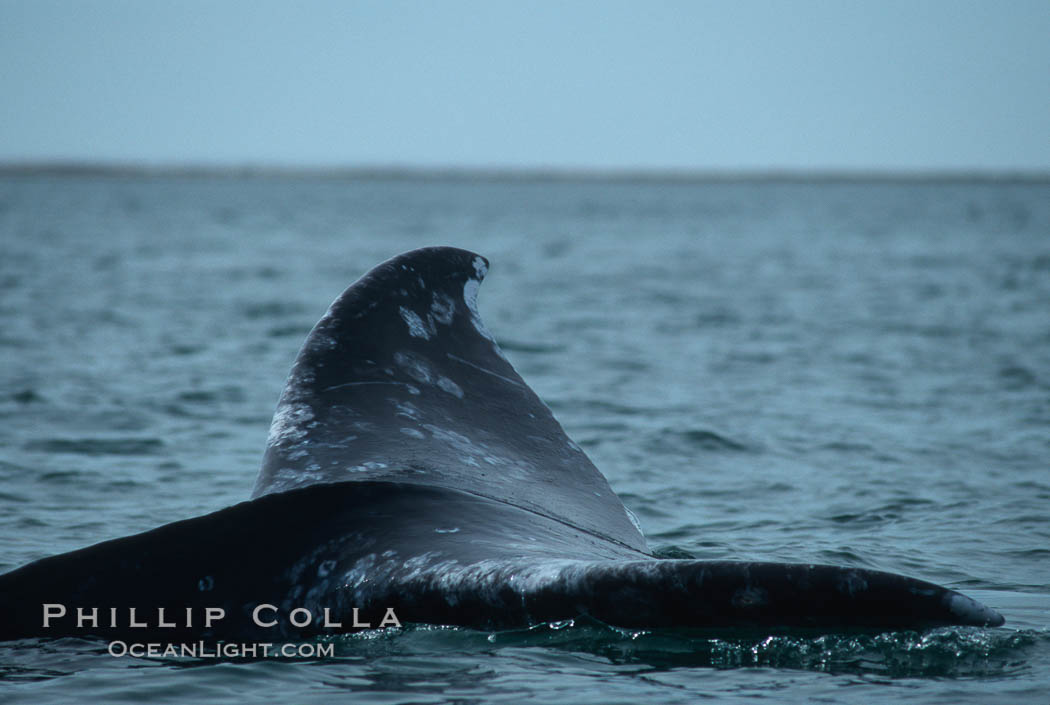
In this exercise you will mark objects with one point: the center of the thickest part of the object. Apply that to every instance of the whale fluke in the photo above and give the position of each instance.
(410, 471)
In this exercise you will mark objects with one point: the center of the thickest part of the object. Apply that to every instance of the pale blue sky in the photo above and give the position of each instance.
(883, 84)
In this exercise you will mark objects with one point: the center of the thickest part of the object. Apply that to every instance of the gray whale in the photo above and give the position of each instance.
(409, 470)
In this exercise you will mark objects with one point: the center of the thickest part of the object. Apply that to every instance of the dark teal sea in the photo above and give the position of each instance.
(851, 372)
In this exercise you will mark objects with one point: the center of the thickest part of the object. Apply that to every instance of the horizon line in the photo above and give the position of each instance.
(115, 168)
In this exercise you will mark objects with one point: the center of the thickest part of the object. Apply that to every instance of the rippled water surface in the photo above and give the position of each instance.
(854, 373)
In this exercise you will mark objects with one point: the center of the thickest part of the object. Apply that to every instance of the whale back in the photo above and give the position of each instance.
(401, 381)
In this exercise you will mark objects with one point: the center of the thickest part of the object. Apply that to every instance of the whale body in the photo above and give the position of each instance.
(411, 476)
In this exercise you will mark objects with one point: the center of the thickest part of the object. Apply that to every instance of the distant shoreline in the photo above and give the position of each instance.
(513, 174)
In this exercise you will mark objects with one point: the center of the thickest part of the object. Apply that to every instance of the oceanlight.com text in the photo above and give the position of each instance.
(201, 649)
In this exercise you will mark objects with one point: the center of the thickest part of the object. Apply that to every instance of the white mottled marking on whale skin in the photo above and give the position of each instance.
(320, 342)
(471, 452)
(359, 572)
(442, 308)
(449, 386)
(487, 578)
(470, 298)
(405, 409)
(852, 583)
(363, 312)
(288, 425)
(360, 468)
(456, 440)
(417, 564)
(416, 327)
(415, 366)
(413, 433)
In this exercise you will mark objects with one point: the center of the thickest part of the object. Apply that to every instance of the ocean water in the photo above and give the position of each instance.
(850, 372)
